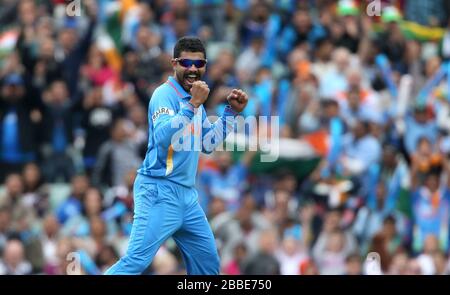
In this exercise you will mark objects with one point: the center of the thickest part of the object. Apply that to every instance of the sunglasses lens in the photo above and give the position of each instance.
(187, 63)
(199, 63)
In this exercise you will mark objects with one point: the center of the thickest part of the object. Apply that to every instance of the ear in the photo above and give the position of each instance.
(174, 62)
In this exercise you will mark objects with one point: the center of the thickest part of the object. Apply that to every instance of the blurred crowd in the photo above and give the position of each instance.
(368, 92)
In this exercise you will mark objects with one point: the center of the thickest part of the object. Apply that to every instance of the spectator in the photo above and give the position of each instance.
(291, 255)
(13, 199)
(370, 221)
(264, 262)
(399, 263)
(226, 181)
(331, 258)
(301, 31)
(148, 52)
(345, 31)
(18, 130)
(249, 61)
(5, 225)
(281, 211)
(116, 157)
(360, 150)
(49, 242)
(164, 263)
(72, 205)
(245, 225)
(353, 265)
(106, 257)
(57, 133)
(96, 122)
(46, 68)
(96, 71)
(235, 266)
(78, 225)
(308, 267)
(426, 259)
(440, 263)
(343, 244)
(209, 13)
(386, 243)
(13, 261)
(418, 126)
(73, 48)
(430, 205)
(36, 192)
(334, 80)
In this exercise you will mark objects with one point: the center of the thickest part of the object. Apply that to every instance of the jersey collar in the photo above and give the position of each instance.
(177, 87)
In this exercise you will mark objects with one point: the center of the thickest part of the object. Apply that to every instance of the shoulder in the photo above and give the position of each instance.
(106, 147)
(162, 89)
(162, 95)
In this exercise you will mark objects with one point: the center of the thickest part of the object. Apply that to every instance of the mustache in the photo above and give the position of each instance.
(191, 73)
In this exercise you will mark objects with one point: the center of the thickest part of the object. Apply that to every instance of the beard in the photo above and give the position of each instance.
(187, 78)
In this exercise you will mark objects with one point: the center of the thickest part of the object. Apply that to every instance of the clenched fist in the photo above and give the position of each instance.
(238, 100)
(199, 93)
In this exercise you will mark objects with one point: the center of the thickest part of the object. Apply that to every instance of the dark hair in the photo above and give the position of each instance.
(390, 219)
(188, 44)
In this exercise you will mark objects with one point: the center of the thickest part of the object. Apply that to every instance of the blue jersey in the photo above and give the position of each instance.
(178, 133)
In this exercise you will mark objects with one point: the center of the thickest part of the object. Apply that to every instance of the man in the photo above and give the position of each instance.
(165, 200)
(18, 126)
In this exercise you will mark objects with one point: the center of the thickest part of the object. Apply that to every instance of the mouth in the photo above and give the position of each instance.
(191, 78)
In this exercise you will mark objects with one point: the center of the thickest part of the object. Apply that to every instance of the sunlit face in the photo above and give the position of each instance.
(424, 146)
(302, 21)
(14, 185)
(335, 242)
(13, 253)
(92, 201)
(31, 174)
(51, 225)
(186, 76)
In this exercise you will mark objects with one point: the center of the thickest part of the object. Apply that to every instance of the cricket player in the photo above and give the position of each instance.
(165, 200)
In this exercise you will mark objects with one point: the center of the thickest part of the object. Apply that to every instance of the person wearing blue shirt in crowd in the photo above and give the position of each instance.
(17, 130)
(417, 126)
(72, 206)
(430, 205)
(228, 182)
(165, 200)
(57, 133)
(209, 12)
(302, 30)
(360, 149)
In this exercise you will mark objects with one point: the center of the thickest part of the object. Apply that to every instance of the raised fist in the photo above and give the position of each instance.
(238, 100)
(199, 93)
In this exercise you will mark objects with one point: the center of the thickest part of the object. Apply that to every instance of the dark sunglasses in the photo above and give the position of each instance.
(187, 63)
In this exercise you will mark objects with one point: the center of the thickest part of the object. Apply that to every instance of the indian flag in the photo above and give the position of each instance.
(106, 45)
(8, 42)
(111, 39)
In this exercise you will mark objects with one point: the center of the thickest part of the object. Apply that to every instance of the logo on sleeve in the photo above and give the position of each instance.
(162, 111)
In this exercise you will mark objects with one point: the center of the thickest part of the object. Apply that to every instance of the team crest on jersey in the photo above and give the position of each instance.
(162, 111)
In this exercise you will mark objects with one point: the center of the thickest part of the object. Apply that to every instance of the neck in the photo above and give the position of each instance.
(179, 82)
